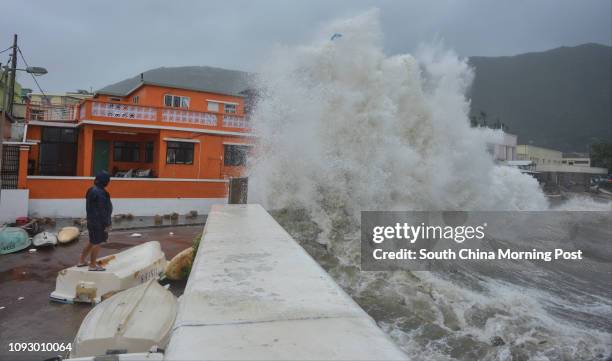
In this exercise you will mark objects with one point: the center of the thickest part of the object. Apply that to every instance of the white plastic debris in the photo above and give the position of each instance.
(32, 250)
(171, 233)
(20, 298)
(136, 235)
(2, 307)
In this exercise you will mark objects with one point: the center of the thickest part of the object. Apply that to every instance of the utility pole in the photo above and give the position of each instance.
(8, 108)
(11, 89)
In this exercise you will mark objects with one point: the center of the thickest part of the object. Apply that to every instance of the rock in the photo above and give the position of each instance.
(497, 341)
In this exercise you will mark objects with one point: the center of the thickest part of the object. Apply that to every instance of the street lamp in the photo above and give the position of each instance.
(36, 70)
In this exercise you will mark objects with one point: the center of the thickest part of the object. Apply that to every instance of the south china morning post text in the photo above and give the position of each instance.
(441, 240)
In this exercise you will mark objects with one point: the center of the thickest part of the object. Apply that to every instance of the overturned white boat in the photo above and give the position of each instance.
(133, 321)
(44, 239)
(123, 270)
(141, 356)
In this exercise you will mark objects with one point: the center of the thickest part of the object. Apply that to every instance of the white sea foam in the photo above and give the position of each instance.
(345, 128)
(342, 121)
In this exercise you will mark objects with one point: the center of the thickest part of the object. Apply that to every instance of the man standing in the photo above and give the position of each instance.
(99, 210)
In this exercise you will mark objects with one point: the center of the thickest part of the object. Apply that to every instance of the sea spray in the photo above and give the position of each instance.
(344, 128)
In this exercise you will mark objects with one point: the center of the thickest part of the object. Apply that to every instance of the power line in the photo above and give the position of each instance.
(7, 49)
(33, 77)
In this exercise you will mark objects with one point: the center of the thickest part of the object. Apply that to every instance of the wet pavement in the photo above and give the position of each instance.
(32, 276)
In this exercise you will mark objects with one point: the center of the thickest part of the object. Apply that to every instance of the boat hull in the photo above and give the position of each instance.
(44, 239)
(13, 239)
(179, 266)
(125, 269)
(141, 356)
(131, 321)
(68, 234)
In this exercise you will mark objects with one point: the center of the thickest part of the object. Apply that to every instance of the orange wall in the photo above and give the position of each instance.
(153, 96)
(76, 188)
(208, 153)
(141, 139)
(34, 133)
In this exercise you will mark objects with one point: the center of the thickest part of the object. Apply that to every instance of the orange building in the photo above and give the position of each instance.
(170, 138)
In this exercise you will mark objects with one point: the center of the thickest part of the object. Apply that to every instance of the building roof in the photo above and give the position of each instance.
(198, 78)
(576, 155)
(518, 163)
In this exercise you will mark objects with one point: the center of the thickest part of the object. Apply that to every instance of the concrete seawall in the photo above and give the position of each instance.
(254, 293)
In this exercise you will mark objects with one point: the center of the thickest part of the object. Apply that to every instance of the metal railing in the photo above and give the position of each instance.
(52, 113)
(10, 167)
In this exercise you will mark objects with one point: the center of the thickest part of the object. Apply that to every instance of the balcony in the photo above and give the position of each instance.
(51, 113)
(161, 116)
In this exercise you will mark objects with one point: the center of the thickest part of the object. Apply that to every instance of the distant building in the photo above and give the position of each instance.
(538, 155)
(553, 169)
(505, 150)
(525, 166)
(59, 99)
(577, 159)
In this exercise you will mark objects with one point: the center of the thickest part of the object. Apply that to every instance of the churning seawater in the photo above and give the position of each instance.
(344, 128)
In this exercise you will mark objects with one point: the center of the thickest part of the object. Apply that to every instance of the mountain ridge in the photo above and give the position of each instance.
(559, 98)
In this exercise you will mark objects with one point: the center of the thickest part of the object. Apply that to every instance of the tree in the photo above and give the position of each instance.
(601, 155)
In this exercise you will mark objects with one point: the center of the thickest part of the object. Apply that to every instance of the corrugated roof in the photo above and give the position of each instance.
(198, 78)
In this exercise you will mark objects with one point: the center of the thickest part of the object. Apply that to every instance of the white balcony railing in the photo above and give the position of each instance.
(231, 121)
(123, 111)
(190, 117)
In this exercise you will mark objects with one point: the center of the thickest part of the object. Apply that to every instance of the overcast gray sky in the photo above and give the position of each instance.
(92, 44)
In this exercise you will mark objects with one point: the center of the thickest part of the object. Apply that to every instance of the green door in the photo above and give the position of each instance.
(101, 149)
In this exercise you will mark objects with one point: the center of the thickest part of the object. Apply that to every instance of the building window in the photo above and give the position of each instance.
(213, 106)
(230, 108)
(58, 151)
(126, 152)
(235, 155)
(179, 153)
(135, 99)
(148, 156)
(176, 101)
(113, 99)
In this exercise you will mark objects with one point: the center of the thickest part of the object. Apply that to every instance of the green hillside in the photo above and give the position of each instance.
(560, 98)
